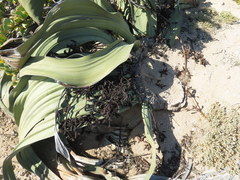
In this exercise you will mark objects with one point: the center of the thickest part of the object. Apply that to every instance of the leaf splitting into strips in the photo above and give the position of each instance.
(45, 131)
(36, 106)
(40, 112)
(37, 119)
(19, 99)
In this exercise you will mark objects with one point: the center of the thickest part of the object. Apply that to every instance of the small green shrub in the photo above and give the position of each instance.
(220, 147)
(208, 18)
(238, 1)
(227, 17)
(14, 25)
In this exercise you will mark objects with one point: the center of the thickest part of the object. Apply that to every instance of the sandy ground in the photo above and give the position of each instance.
(177, 117)
(217, 82)
(8, 140)
(185, 100)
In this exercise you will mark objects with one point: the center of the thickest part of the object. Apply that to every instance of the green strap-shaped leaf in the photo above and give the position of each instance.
(35, 129)
(45, 132)
(5, 86)
(80, 36)
(34, 8)
(38, 112)
(80, 72)
(148, 130)
(70, 14)
(23, 82)
(34, 110)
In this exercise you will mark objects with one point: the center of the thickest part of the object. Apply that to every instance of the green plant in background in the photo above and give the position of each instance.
(220, 146)
(204, 18)
(141, 14)
(209, 19)
(175, 21)
(238, 1)
(227, 17)
(14, 25)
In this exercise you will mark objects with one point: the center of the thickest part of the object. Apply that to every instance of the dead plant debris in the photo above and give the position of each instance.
(105, 100)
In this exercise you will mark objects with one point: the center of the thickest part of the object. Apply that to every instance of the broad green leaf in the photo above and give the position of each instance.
(60, 40)
(34, 110)
(16, 91)
(80, 72)
(71, 14)
(45, 132)
(34, 8)
(38, 100)
(39, 127)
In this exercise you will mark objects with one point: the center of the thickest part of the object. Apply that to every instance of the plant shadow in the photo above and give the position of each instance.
(198, 23)
(45, 150)
(169, 146)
